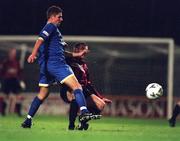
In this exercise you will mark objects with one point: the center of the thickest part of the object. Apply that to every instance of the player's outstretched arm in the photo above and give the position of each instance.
(81, 53)
(76, 54)
(33, 55)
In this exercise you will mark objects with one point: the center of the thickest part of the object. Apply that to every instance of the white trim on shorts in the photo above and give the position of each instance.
(62, 81)
(43, 85)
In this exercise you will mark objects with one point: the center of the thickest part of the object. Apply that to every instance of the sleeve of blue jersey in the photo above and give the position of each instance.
(47, 31)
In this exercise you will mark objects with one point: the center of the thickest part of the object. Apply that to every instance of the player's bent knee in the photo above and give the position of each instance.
(100, 104)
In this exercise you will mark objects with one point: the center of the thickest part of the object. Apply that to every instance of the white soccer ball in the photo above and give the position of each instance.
(154, 91)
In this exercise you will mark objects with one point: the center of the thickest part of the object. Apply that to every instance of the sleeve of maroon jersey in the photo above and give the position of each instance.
(92, 89)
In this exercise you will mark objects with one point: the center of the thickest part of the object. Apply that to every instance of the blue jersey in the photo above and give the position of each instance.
(52, 62)
(52, 48)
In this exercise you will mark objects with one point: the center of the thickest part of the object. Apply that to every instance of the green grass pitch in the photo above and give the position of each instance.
(54, 128)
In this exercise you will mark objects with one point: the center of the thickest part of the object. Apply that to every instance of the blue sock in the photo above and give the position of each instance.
(34, 106)
(81, 100)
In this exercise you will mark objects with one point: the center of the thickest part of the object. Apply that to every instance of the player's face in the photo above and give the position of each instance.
(80, 49)
(57, 19)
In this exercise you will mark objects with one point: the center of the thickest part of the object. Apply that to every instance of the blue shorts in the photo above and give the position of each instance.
(54, 72)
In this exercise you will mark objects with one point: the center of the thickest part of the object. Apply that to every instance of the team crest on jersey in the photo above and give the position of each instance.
(45, 33)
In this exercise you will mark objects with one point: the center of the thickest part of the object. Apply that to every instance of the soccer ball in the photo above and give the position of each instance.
(154, 91)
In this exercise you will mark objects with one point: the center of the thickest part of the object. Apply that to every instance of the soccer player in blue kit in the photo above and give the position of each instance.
(53, 67)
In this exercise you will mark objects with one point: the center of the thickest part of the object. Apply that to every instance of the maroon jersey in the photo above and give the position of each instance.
(10, 69)
(81, 72)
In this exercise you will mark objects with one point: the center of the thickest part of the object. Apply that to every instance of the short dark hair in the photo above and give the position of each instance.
(53, 10)
(80, 45)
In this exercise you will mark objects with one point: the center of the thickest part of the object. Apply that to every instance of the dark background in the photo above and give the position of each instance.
(147, 18)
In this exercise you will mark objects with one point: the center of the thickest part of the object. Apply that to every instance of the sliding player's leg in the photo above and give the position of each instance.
(95, 104)
(73, 111)
(74, 108)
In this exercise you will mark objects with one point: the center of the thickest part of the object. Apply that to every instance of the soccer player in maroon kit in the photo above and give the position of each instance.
(11, 76)
(95, 101)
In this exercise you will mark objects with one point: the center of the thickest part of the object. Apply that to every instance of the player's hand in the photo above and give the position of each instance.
(83, 52)
(31, 58)
(107, 100)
